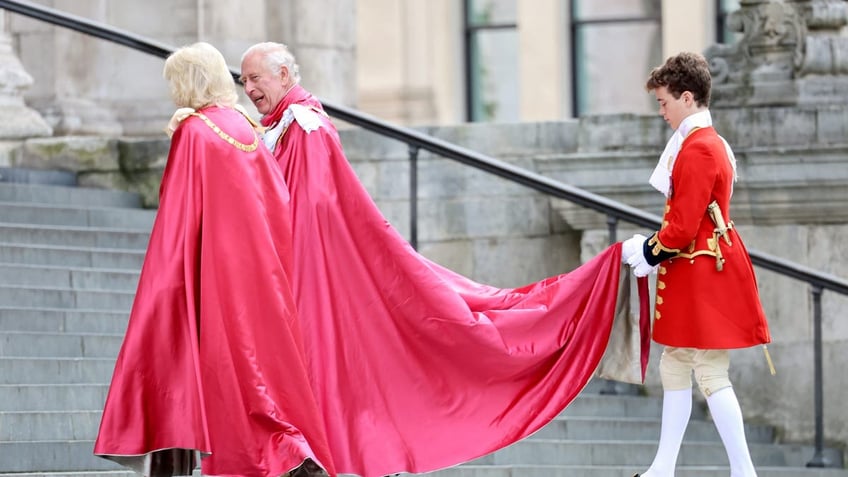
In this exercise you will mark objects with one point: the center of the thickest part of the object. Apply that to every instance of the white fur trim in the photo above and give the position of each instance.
(306, 117)
(178, 117)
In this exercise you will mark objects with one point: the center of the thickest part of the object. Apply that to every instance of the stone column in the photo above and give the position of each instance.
(543, 81)
(68, 83)
(322, 36)
(17, 121)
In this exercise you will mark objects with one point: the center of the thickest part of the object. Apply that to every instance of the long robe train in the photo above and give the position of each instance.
(415, 367)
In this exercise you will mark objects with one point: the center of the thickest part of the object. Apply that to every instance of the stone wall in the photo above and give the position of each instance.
(791, 201)
(87, 86)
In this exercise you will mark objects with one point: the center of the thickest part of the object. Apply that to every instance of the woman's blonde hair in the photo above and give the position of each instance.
(198, 76)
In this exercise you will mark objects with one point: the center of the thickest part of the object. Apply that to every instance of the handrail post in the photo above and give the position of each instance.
(609, 387)
(612, 228)
(818, 460)
(413, 195)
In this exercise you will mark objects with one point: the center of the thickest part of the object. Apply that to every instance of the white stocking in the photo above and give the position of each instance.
(676, 409)
(727, 416)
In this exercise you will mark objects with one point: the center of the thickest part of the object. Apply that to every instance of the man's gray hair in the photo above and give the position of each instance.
(276, 55)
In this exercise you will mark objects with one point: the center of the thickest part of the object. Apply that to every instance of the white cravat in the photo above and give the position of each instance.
(661, 177)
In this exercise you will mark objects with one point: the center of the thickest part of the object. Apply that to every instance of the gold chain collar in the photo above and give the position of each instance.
(227, 137)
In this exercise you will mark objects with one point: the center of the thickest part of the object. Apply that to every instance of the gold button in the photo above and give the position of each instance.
(661, 284)
(662, 271)
(657, 315)
(659, 300)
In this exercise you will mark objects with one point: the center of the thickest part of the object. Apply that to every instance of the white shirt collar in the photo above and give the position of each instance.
(661, 177)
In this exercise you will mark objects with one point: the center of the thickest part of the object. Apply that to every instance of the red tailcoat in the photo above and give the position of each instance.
(213, 355)
(698, 306)
(415, 367)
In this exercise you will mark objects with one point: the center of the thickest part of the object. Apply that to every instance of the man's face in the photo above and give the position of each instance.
(674, 110)
(264, 88)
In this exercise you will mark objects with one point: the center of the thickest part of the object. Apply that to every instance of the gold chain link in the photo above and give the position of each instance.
(227, 137)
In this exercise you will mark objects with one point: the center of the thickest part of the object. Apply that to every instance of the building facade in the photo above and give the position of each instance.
(411, 62)
(469, 71)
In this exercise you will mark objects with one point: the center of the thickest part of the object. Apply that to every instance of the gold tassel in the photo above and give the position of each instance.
(768, 358)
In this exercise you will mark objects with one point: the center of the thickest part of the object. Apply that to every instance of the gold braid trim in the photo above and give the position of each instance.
(227, 137)
(696, 254)
(657, 246)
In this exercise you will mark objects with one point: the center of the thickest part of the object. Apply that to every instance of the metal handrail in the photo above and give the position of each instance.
(434, 145)
(565, 191)
(417, 141)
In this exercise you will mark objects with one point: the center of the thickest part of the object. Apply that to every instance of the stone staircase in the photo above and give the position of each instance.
(69, 263)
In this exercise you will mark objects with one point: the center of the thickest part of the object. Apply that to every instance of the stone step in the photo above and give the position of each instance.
(67, 298)
(63, 456)
(67, 196)
(63, 345)
(44, 319)
(82, 423)
(115, 217)
(15, 370)
(51, 456)
(52, 397)
(68, 277)
(74, 236)
(71, 256)
(592, 404)
(641, 453)
(619, 471)
(104, 473)
(23, 175)
(49, 425)
(528, 471)
(630, 428)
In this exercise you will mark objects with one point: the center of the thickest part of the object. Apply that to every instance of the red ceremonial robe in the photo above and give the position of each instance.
(212, 360)
(415, 367)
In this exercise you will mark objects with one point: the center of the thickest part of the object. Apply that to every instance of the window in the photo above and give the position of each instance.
(723, 8)
(491, 60)
(615, 43)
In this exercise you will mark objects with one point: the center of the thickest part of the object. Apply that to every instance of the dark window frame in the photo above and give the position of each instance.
(721, 21)
(576, 25)
(470, 29)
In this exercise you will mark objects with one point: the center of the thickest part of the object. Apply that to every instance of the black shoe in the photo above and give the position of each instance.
(308, 469)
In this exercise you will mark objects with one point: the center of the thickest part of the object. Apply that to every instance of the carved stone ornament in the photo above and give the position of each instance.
(790, 53)
(17, 120)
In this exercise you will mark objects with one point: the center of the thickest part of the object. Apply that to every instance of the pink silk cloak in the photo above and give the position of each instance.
(212, 360)
(417, 368)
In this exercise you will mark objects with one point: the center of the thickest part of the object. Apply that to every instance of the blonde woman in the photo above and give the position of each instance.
(212, 362)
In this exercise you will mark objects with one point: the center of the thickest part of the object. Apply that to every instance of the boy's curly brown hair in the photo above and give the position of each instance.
(683, 72)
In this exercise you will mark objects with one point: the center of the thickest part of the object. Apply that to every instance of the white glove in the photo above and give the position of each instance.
(632, 246)
(640, 266)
